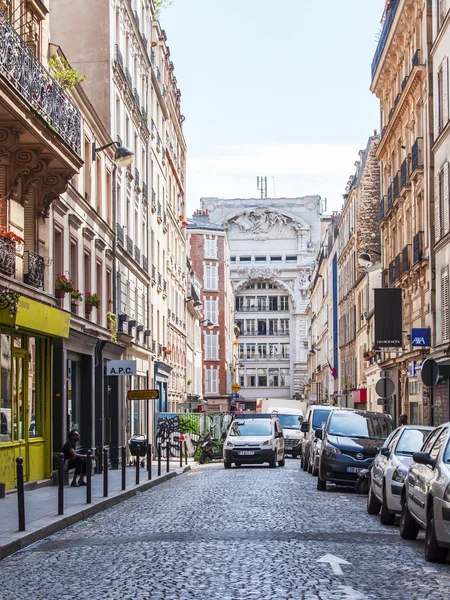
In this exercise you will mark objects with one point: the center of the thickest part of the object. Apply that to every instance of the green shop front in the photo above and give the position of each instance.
(26, 346)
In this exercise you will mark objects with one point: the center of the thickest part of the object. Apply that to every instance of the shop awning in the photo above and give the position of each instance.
(38, 317)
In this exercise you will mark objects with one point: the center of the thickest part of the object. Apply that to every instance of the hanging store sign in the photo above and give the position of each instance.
(388, 318)
(121, 367)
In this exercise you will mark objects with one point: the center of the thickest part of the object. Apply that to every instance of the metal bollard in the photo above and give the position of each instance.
(149, 461)
(124, 465)
(185, 453)
(60, 483)
(137, 459)
(167, 456)
(97, 461)
(105, 472)
(20, 493)
(181, 453)
(159, 460)
(89, 477)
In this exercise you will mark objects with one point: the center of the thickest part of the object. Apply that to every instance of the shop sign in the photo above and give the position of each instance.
(421, 337)
(121, 367)
(143, 395)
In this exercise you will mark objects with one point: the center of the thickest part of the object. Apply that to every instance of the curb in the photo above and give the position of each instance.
(42, 528)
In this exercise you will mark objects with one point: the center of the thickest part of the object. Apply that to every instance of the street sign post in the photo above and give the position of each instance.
(385, 387)
(235, 387)
(430, 372)
(143, 395)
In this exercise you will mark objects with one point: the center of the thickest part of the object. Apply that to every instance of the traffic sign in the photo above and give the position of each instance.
(385, 387)
(143, 395)
(235, 387)
(430, 372)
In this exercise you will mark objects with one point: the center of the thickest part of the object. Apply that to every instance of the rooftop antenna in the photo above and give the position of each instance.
(261, 183)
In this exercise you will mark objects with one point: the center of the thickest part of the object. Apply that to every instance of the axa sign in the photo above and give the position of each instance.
(421, 337)
(121, 367)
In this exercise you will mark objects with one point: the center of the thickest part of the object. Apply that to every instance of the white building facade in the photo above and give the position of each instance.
(273, 243)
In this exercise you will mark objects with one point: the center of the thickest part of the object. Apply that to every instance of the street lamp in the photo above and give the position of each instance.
(365, 260)
(123, 157)
(195, 303)
(209, 324)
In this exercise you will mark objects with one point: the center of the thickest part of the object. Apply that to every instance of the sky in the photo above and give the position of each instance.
(273, 88)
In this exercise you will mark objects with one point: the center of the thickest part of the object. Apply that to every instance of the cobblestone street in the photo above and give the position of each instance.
(216, 534)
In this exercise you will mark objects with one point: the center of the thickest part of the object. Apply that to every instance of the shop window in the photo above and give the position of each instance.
(251, 378)
(36, 350)
(273, 378)
(262, 378)
(5, 389)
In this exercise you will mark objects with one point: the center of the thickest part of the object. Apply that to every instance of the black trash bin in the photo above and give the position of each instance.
(138, 448)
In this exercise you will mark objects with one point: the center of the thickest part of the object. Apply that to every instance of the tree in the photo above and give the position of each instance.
(159, 5)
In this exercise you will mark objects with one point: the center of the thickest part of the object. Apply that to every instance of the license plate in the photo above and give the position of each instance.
(354, 469)
(246, 452)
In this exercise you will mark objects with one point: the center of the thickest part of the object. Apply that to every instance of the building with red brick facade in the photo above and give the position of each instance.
(209, 253)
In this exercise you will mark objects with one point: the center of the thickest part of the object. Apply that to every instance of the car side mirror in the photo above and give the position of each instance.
(319, 433)
(304, 427)
(423, 458)
(385, 452)
(279, 434)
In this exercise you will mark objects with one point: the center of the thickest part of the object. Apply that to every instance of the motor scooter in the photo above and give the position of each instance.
(211, 450)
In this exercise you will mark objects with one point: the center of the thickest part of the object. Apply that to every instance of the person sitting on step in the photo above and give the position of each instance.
(75, 460)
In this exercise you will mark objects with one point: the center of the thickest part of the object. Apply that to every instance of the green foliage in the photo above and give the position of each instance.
(64, 74)
(159, 5)
(111, 320)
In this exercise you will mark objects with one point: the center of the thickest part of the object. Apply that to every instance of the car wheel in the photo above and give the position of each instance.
(386, 517)
(315, 472)
(321, 484)
(408, 527)
(433, 552)
(301, 462)
(309, 466)
(373, 504)
(305, 463)
(227, 465)
(282, 462)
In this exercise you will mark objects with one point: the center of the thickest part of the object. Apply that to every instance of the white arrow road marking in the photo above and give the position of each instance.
(334, 562)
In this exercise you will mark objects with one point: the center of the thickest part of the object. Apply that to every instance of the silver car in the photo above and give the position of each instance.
(316, 417)
(426, 495)
(390, 468)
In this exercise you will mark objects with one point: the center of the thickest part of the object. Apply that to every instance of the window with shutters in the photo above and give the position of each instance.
(211, 347)
(444, 306)
(211, 310)
(211, 248)
(211, 277)
(211, 381)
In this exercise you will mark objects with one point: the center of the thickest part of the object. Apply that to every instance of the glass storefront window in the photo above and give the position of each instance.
(73, 394)
(5, 388)
(36, 348)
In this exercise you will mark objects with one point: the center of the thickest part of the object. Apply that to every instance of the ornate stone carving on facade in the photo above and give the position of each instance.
(263, 223)
(50, 187)
(9, 140)
(251, 275)
(305, 278)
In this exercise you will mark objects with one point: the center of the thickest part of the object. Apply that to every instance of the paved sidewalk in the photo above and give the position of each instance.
(41, 504)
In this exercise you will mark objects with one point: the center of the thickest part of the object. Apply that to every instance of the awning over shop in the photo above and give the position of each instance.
(359, 396)
(38, 317)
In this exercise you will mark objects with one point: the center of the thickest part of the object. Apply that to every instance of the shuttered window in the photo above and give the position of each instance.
(210, 278)
(437, 208)
(211, 346)
(211, 311)
(444, 306)
(29, 222)
(211, 381)
(211, 248)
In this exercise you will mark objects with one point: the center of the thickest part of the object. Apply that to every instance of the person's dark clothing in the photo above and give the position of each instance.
(78, 463)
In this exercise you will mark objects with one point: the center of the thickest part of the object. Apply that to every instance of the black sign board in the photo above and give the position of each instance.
(388, 318)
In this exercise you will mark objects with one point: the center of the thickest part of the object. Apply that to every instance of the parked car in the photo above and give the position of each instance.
(314, 455)
(316, 416)
(426, 495)
(258, 440)
(351, 439)
(390, 468)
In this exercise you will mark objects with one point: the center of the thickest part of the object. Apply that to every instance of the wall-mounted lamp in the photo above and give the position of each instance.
(209, 324)
(123, 156)
(196, 303)
(365, 260)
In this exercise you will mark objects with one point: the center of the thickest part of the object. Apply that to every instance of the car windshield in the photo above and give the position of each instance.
(320, 417)
(290, 421)
(359, 426)
(411, 441)
(257, 427)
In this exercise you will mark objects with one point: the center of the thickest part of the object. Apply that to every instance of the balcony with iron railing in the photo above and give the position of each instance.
(136, 175)
(154, 346)
(396, 186)
(418, 247)
(128, 78)
(165, 286)
(406, 258)
(33, 269)
(261, 308)
(159, 211)
(118, 56)
(152, 57)
(382, 207)
(417, 58)
(252, 333)
(158, 75)
(7, 256)
(144, 190)
(130, 245)
(397, 267)
(137, 254)
(160, 280)
(136, 18)
(120, 234)
(145, 263)
(391, 273)
(404, 174)
(417, 155)
(154, 273)
(28, 77)
(136, 97)
(390, 197)
(267, 358)
(390, 15)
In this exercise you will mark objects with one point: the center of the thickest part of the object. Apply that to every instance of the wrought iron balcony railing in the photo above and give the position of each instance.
(136, 97)
(391, 273)
(120, 238)
(417, 155)
(153, 346)
(33, 269)
(128, 78)
(160, 280)
(145, 263)
(130, 245)
(119, 57)
(26, 74)
(158, 75)
(154, 272)
(417, 58)
(137, 254)
(406, 259)
(152, 57)
(382, 207)
(404, 174)
(389, 195)
(418, 247)
(397, 267)
(144, 190)
(136, 174)
(159, 210)
(7, 256)
(396, 185)
(390, 14)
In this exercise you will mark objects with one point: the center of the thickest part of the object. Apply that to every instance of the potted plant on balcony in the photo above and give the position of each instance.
(76, 297)
(90, 301)
(63, 285)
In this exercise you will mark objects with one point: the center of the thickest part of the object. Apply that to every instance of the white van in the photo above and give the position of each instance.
(291, 420)
(254, 441)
